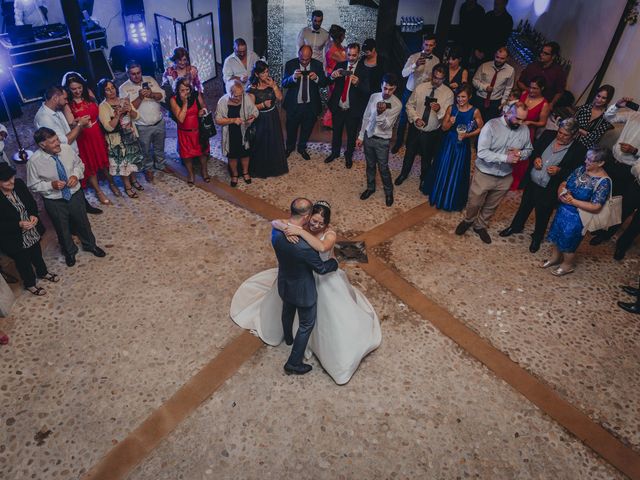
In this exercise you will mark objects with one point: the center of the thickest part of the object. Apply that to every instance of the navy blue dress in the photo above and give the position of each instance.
(566, 229)
(447, 182)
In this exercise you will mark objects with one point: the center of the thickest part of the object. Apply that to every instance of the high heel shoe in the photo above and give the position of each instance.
(244, 177)
(115, 190)
(103, 200)
(131, 193)
(234, 183)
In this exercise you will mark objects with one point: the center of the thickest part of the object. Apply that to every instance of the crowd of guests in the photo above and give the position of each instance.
(447, 108)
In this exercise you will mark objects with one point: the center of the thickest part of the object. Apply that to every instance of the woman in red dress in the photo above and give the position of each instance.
(536, 117)
(91, 142)
(335, 54)
(186, 110)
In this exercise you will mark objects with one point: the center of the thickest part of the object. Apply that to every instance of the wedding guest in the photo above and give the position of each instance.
(347, 103)
(456, 74)
(21, 230)
(4, 133)
(303, 78)
(267, 153)
(180, 68)
(235, 113)
(380, 115)
(503, 142)
(496, 27)
(92, 145)
(554, 75)
(425, 110)
(335, 54)
(493, 82)
(239, 64)
(555, 155)
(538, 113)
(30, 12)
(471, 15)
(587, 189)
(186, 110)
(51, 115)
(145, 95)
(54, 171)
(590, 117)
(125, 155)
(314, 36)
(447, 183)
(626, 153)
(372, 75)
(416, 70)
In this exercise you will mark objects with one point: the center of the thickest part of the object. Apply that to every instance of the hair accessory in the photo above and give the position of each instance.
(323, 203)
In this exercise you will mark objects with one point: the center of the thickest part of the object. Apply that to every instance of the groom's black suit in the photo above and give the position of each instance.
(297, 288)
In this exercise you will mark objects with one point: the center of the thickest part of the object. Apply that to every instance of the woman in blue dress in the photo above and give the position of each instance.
(447, 182)
(587, 188)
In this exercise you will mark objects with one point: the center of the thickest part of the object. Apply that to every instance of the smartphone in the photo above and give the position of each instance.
(346, 73)
(633, 106)
(145, 85)
(423, 55)
(388, 104)
(305, 73)
(429, 100)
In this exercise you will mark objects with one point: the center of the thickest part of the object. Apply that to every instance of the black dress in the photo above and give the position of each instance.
(236, 145)
(268, 158)
(457, 78)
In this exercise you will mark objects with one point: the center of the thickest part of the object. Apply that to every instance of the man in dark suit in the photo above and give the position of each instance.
(303, 78)
(347, 103)
(296, 285)
(555, 155)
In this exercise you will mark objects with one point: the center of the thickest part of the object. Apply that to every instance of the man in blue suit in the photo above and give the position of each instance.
(296, 285)
(303, 78)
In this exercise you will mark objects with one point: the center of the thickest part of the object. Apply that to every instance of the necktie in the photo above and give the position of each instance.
(487, 101)
(345, 89)
(305, 88)
(62, 175)
(427, 108)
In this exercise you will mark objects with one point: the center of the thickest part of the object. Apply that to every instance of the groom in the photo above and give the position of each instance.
(296, 285)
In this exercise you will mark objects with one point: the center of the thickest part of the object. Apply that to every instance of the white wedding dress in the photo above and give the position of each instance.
(347, 327)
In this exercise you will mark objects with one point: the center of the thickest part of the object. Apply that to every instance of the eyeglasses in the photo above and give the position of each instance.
(547, 54)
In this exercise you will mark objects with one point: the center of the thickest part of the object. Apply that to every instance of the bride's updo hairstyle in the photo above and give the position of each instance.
(324, 209)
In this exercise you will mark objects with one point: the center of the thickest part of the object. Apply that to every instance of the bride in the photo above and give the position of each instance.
(347, 328)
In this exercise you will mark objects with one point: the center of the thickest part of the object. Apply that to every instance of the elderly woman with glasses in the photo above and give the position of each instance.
(555, 155)
(588, 188)
(235, 113)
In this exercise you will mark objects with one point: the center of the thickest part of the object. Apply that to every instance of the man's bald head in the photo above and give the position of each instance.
(301, 207)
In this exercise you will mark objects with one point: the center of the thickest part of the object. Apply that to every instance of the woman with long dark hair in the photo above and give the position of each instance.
(186, 110)
(590, 117)
(268, 158)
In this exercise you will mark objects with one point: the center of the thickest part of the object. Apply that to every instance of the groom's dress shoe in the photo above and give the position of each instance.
(630, 307)
(304, 154)
(297, 369)
(366, 194)
(630, 290)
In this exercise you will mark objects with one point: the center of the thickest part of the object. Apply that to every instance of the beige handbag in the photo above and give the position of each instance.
(608, 216)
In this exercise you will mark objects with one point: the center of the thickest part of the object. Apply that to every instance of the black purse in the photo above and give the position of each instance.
(206, 126)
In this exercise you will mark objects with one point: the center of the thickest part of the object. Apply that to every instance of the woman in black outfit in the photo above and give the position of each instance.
(268, 158)
(590, 117)
(21, 230)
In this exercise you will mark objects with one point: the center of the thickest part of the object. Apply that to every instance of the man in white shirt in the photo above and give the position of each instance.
(55, 171)
(379, 117)
(3, 136)
(416, 70)
(30, 12)
(239, 64)
(315, 36)
(626, 153)
(145, 95)
(51, 115)
(493, 82)
(425, 110)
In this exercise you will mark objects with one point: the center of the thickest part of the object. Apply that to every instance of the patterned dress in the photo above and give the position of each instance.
(596, 128)
(566, 229)
(125, 153)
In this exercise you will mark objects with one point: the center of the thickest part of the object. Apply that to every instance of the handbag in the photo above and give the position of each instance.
(206, 126)
(250, 131)
(608, 216)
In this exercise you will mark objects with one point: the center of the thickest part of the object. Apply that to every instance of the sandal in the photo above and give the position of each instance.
(104, 200)
(37, 291)
(137, 186)
(206, 179)
(51, 277)
(234, 183)
(246, 180)
(560, 272)
(115, 190)
(131, 193)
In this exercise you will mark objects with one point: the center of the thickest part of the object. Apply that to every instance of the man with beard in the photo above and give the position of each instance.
(315, 36)
(503, 142)
(493, 82)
